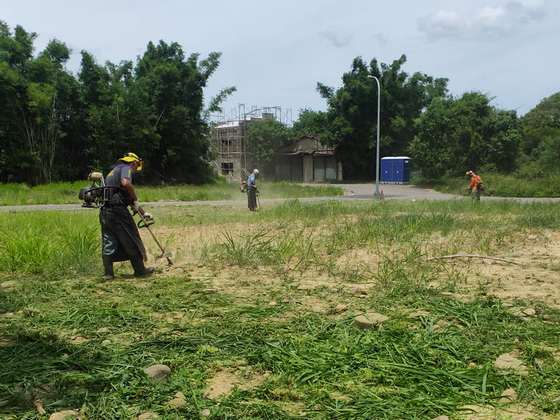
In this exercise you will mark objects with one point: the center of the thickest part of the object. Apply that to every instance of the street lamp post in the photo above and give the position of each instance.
(377, 193)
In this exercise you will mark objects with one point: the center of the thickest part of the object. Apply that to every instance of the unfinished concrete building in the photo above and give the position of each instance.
(229, 148)
(305, 160)
(233, 159)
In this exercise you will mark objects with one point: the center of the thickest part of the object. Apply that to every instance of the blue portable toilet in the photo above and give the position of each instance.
(395, 170)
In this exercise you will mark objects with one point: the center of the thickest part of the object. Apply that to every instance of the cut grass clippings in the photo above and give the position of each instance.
(75, 342)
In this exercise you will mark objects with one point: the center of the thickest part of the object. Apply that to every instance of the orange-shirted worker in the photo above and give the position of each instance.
(475, 185)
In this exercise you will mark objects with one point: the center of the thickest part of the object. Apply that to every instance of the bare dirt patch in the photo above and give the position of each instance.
(535, 279)
(510, 412)
(364, 259)
(226, 380)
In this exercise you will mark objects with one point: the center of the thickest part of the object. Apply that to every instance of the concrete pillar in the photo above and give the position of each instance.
(307, 168)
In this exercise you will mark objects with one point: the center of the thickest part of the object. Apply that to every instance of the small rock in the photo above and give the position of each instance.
(419, 314)
(341, 307)
(272, 303)
(529, 312)
(148, 415)
(337, 396)
(8, 285)
(358, 291)
(78, 339)
(158, 372)
(472, 365)
(370, 320)
(210, 291)
(511, 362)
(178, 402)
(205, 413)
(509, 395)
(6, 342)
(442, 324)
(64, 415)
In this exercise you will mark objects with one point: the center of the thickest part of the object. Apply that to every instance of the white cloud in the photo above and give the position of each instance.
(497, 20)
(336, 38)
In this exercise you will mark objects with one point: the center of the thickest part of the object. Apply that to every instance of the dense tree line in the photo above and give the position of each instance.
(454, 135)
(55, 125)
(352, 111)
(444, 135)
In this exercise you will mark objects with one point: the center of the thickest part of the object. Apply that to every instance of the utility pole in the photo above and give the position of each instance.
(377, 193)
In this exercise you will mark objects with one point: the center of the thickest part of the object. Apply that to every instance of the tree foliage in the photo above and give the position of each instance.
(154, 107)
(312, 123)
(264, 138)
(540, 145)
(455, 135)
(352, 111)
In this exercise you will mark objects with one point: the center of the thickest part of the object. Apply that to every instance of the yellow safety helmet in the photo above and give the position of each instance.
(133, 157)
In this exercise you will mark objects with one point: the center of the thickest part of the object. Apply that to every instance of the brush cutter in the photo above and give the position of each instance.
(146, 220)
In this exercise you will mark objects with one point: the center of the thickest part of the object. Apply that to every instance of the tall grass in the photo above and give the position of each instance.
(67, 192)
(501, 185)
(265, 247)
(49, 243)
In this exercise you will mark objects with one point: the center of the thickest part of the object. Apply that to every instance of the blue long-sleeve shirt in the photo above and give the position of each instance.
(252, 181)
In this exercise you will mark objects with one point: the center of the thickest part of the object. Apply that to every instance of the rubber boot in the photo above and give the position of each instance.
(139, 269)
(108, 267)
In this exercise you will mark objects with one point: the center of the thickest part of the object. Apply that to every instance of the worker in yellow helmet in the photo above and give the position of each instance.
(120, 237)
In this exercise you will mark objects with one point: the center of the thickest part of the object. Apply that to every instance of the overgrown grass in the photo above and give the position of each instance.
(501, 185)
(320, 365)
(67, 192)
(49, 243)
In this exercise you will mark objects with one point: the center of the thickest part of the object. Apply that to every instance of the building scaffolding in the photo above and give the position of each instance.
(229, 138)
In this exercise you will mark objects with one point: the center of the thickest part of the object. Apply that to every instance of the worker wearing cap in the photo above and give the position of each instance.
(475, 185)
(120, 237)
(252, 190)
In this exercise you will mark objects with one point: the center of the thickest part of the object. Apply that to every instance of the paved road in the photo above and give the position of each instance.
(351, 192)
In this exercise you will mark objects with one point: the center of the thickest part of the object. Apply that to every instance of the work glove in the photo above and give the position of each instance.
(137, 209)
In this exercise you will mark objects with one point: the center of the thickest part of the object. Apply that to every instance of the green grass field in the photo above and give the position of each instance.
(257, 317)
(501, 186)
(67, 192)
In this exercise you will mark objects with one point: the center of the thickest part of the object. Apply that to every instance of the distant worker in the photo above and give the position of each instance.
(252, 190)
(475, 186)
(120, 237)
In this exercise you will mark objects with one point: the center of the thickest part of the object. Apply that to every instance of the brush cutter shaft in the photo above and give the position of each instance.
(145, 223)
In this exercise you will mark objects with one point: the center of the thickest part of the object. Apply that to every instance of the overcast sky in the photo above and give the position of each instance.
(275, 52)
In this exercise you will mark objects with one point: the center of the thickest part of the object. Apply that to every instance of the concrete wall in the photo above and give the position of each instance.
(308, 168)
(289, 169)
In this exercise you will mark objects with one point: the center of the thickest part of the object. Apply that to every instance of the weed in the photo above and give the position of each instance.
(77, 343)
